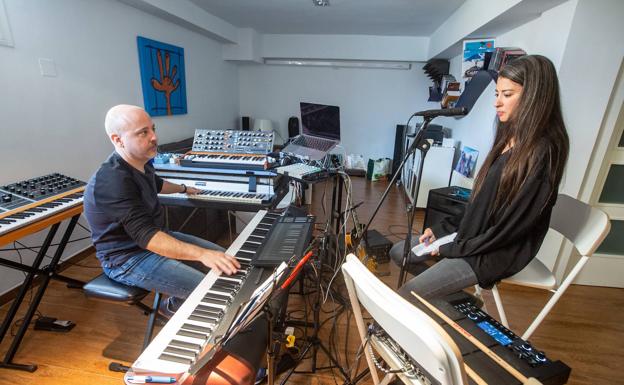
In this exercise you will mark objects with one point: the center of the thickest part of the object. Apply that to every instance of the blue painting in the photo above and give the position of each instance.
(162, 77)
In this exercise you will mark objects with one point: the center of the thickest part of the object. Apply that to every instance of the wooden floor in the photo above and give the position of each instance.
(585, 329)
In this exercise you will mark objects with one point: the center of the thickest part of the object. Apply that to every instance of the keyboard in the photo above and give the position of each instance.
(226, 161)
(314, 142)
(221, 193)
(30, 201)
(209, 310)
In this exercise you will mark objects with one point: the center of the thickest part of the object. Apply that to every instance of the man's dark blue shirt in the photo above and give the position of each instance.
(122, 208)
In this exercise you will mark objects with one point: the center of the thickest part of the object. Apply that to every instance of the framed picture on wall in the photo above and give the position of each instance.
(467, 161)
(162, 77)
(473, 58)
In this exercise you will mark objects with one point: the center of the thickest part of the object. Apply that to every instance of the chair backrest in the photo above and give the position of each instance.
(583, 225)
(417, 334)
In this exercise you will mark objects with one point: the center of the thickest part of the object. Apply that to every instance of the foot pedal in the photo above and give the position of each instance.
(53, 324)
(117, 367)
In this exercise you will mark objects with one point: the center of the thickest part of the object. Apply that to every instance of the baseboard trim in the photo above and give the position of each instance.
(77, 257)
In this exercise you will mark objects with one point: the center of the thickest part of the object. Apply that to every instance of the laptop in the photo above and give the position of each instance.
(320, 125)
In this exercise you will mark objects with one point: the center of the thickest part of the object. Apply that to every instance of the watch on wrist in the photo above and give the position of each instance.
(183, 188)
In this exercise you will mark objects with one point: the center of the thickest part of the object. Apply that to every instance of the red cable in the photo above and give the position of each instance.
(295, 271)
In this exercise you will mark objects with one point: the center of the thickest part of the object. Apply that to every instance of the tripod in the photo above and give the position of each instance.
(313, 342)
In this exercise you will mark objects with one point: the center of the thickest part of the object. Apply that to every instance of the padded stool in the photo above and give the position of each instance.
(104, 288)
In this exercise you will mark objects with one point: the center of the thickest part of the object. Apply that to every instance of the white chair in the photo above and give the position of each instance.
(584, 226)
(417, 334)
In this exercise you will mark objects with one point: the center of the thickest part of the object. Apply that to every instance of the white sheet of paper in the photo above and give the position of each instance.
(421, 248)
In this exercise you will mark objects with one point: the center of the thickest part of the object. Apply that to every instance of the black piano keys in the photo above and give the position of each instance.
(216, 302)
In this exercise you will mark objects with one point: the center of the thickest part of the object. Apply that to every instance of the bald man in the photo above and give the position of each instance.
(128, 223)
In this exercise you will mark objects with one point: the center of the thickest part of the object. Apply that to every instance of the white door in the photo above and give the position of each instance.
(606, 267)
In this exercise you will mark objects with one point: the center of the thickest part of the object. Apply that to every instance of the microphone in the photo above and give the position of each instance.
(459, 111)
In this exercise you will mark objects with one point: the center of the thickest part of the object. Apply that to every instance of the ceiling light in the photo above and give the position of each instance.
(341, 63)
(321, 3)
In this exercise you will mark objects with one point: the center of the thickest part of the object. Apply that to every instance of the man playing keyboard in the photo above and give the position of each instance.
(128, 222)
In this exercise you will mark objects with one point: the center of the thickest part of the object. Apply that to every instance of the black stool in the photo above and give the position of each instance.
(104, 288)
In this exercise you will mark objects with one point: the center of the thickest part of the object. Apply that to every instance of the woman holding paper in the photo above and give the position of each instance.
(509, 211)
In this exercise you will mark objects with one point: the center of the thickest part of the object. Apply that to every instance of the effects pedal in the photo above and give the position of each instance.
(53, 324)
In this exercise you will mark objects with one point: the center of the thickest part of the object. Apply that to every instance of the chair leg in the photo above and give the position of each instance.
(499, 306)
(387, 379)
(553, 300)
(152, 320)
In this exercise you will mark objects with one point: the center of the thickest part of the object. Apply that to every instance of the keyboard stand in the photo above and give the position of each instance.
(45, 274)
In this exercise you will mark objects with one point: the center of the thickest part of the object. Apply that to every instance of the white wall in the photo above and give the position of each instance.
(56, 123)
(546, 35)
(372, 101)
(345, 47)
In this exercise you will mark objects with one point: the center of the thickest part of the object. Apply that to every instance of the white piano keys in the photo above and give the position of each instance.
(39, 213)
(222, 192)
(149, 360)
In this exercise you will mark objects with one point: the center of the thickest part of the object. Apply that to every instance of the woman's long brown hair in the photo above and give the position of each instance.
(536, 127)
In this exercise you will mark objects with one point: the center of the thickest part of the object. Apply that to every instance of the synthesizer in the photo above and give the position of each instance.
(518, 353)
(27, 207)
(233, 195)
(225, 161)
(30, 201)
(207, 313)
(233, 141)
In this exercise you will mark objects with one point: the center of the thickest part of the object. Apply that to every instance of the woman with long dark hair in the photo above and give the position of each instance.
(515, 190)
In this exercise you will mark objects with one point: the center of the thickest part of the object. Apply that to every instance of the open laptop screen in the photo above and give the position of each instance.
(320, 120)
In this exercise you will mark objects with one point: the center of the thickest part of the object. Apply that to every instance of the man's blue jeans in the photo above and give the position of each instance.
(153, 272)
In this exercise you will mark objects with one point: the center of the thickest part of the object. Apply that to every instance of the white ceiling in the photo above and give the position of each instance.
(357, 17)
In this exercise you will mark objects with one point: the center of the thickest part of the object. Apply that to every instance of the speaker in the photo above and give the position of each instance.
(399, 146)
(293, 126)
(245, 123)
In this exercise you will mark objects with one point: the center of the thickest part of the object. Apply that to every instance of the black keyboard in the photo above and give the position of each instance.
(315, 143)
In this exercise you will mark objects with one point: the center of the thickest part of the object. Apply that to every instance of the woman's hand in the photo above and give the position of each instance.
(427, 238)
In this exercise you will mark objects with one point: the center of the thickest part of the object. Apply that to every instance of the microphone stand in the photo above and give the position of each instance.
(423, 145)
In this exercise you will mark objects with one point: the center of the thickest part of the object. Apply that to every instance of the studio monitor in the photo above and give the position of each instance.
(399, 143)
(293, 126)
(245, 123)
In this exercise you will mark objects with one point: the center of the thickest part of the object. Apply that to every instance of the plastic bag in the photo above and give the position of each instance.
(355, 161)
(378, 169)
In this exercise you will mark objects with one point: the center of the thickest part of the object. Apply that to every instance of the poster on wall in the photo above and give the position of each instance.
(162, 77)
(473, 58)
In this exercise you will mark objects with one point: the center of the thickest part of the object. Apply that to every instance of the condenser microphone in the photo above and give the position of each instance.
(459, 111)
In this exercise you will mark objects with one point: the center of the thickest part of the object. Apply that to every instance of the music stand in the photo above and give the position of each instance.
(204, 367)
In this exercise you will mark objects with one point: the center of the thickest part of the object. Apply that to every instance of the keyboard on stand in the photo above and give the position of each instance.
(27, 207)
(231, 195)
(225, 161)
(30, 201)
(209, 310)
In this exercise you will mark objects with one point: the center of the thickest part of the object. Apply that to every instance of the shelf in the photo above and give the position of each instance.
(475, 87)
